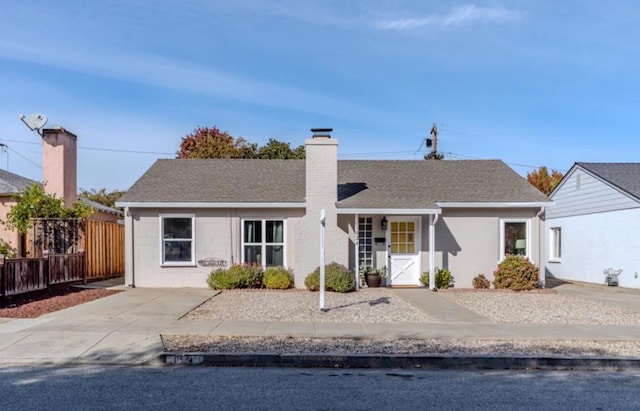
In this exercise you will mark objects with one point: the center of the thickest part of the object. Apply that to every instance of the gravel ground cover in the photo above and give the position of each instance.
(35, 304)
(383, 306)
(378, 305)
(507, 307)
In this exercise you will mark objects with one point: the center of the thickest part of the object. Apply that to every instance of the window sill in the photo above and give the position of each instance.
(180, 264)
(554, 260)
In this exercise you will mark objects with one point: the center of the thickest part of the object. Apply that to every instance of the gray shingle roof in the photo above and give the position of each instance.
(361, 184)
(420, 184)
(221, 181)
(625, 176)
(12, 183)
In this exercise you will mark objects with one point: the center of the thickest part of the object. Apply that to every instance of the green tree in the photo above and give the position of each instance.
(35, 202)
(278, 150)
(543, 181)
(102, 196)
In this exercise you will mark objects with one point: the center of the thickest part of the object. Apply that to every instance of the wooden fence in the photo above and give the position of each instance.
(23, 275)
(101, 241)
(104, 248)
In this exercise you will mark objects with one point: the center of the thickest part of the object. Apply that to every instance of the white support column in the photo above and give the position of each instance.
(432, 252)
(356, 245)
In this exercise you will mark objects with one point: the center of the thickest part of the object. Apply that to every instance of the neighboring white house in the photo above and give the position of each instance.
(594, 224)
(183, 217)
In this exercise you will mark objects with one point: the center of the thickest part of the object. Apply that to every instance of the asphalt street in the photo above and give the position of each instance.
(210, 388)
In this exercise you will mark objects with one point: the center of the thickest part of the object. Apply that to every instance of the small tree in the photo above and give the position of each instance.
(35, 203)
(102, 196)
(205, 142)
(543, 181)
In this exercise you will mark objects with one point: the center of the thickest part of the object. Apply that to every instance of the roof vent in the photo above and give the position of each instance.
(321, 132)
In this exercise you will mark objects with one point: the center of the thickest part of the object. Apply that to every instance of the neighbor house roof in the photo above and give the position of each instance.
(361, 184)
(625, 176)
(220, 181)
(12, 183)
(425, 184)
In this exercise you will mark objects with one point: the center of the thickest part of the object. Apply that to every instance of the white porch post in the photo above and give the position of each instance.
(432, 252)
(356, 246)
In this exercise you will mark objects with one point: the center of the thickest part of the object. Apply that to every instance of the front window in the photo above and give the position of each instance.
(555, 243)
(177, 233)
(514, 237)
(263, 242)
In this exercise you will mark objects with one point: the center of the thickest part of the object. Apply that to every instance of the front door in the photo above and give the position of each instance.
(403, 242)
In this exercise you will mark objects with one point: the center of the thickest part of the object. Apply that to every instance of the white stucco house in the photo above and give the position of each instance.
(594, 224)
(185, 217)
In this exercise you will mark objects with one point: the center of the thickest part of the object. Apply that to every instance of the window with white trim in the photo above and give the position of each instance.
(555, 243)
(263, 242)
(177, 239)
(515, 237)
(365, 242)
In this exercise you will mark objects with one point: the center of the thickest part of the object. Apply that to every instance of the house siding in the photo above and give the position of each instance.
(217, 235)
(590, 196)
(468, 241)
(592, 243)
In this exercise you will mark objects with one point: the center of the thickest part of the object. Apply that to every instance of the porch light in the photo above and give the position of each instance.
(383, 224)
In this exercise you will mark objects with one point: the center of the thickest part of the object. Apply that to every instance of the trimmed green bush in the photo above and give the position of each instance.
(480, 282)
(444, 279)
(236, 276)
(278, 278)
(516, 273)
(338, 278)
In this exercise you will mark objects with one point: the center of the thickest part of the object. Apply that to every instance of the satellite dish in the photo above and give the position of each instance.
(34, 121)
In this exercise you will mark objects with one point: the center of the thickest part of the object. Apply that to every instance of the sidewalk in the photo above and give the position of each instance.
(124, 328)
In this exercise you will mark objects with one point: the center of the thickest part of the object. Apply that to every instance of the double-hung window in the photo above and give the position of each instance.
(515, 238)
(365, 242)
(263, 242)
(178, 236)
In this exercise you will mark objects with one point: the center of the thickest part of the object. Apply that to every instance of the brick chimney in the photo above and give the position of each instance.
(60, 164)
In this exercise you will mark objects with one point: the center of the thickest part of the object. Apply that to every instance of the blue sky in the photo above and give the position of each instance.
(529, 82)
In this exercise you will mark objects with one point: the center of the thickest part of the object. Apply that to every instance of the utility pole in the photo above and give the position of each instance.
(433, 142)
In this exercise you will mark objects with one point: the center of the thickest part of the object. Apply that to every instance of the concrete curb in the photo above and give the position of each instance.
(426, 362)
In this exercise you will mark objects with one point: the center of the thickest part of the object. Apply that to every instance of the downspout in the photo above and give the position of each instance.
(129, 215)
(230, 236)
(355, 251)
(433, 219)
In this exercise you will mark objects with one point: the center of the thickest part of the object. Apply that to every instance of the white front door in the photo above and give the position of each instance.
(403, 245)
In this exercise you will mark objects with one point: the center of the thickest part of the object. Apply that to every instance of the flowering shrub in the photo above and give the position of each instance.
(236, 276)
(338, 278)
(443, 278)
(516, 273)
(278, 278)
(481, 282)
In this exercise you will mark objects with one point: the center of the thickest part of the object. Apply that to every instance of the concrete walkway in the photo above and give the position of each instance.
(124, 328)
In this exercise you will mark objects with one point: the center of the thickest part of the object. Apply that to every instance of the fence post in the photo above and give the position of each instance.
(84, 267)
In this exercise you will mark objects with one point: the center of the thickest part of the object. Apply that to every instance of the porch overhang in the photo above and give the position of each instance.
(389, 211)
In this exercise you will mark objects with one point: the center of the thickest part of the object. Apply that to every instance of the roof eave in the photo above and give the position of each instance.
(476, 204)
(174, 204)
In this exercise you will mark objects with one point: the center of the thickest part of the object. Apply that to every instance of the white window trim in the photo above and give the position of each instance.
(191, 263)
(552, 239)
(503, 221)
(263, 222)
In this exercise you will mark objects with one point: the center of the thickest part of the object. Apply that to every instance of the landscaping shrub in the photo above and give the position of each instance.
(481, 282)
(237, 276)
(338, 278)
(516, 273)
(278, 278)
(444, 279)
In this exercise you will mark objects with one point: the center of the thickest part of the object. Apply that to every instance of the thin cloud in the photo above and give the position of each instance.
(458, 16)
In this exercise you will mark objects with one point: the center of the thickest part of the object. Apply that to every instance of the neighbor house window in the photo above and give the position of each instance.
(263, 242)
(177, 232)
(514, 237)
(555, 242)
(365, 242)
